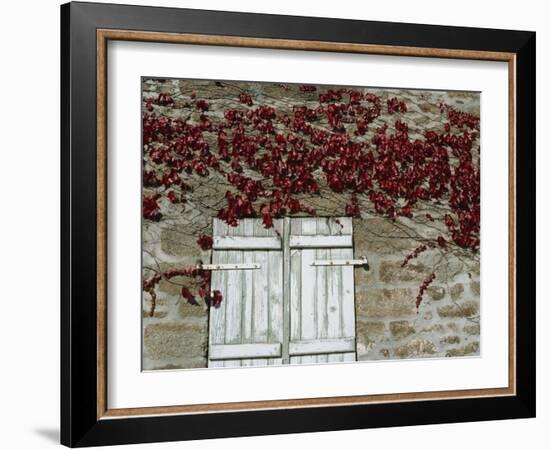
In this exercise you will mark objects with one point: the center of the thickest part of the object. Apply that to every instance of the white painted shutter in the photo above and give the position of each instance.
(322, 310)
(247, 328)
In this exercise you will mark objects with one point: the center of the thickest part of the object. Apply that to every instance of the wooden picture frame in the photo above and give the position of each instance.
(86, 418)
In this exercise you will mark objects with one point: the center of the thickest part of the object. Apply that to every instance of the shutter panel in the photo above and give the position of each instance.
(322, 310)
(247, 328)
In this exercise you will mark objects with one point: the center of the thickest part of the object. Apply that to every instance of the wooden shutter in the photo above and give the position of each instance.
(322, 311)
(247, 328)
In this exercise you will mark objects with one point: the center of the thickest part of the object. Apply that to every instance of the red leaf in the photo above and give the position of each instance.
(245, 98)
(216, 298)
(205, 242)
(172, 197)
(151, 208)
(267, 220)
(187, 295)
(202, 105)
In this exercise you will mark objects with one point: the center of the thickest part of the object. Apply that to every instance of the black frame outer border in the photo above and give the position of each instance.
(79, 425)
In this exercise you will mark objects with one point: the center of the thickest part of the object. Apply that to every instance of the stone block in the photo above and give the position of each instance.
(452, 326)
(467, 349)
(386, 303)
(401, 328)
(456, 291)
(472, 329)
(381, 236)
(175, 241)
(465, 309)
(436, 292)
(450, 340)
(391, 272)
(174, 340)
(435, 328)
(416, 347)
(370, 328)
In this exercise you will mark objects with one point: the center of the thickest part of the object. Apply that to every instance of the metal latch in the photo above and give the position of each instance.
(201, 266)
(341, 262)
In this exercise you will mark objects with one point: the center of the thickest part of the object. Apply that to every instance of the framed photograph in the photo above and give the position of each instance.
(276, 224)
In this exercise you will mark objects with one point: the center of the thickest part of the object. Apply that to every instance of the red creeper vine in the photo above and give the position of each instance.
(272, 160)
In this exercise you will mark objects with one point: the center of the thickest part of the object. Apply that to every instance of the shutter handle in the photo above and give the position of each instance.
(245, 266)
(362, 261)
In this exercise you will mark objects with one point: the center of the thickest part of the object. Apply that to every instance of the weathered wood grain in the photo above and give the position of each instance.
(320, 241)
(320, 299)
(251, 313)
(243, 243)
(322, 295)
(240, 351)
(322, 346)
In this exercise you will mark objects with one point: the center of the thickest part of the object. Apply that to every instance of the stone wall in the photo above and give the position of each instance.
(177, 335)
(388, 324)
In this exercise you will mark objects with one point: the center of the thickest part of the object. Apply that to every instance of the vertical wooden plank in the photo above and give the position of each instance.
(233, 299)
(260, 309)
(261, 317)
(322, 228)
(248, 300)
(348, 310)
(273, 279)
(348, 295)
(275, 300)
(295, 299)
(217, 315)
(348, 291)
(321, 300)
(260, 293)
(230, 230)
(295, 289)
(334, 322)
(333, 294)
(278, 227)
(321, 290)
(348, 303)
(247, 292)
(296, 226)
(334, 227)
(285, 335)
(219, 228)
(246, 227)
(309, 284)
(261, 231)
(341, 225)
